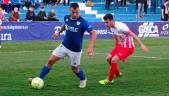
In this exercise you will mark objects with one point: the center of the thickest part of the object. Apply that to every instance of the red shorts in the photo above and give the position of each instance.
(122, 53)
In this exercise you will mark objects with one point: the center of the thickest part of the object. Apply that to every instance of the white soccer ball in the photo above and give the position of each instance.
(37, 83)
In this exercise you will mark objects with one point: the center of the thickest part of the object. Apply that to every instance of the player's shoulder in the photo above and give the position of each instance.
(81, 19)
(121, 25)
(67, 17)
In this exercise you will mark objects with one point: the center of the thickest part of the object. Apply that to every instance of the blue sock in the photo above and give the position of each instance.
(44, 71)
(80, 75)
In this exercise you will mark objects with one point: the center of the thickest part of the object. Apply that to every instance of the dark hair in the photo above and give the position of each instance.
(108, 16)
(74, 5)
(165, 0)
(31, 6)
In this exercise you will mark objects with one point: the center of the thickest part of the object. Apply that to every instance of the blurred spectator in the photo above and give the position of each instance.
(165, 10)
(136, 4)
(35, 3)
(117, 3)
(153, 6)
(52, 16)
(46, 2)
(140, 8)
(159, 3)
(89, 3)
(30, 15)
(2, 17)
(16, 3)
(42, 15)
(14, 16)
(54, 2)
(27, 4)
(123, 3)
(145, 6)
(6, 4)
(107, 4)
(63, 2)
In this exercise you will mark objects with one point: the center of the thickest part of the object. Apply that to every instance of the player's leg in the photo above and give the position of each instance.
(112, 59)
(51, 61)
(75, 65)
(79, 73)
(57, 54)
(112, 71)
(109, 60)
(113, 68)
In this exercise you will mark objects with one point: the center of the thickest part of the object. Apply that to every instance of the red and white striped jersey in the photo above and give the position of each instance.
(121, 36)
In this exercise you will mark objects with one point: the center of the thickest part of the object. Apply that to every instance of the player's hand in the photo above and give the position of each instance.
(55, 35)
(90, 51)
(144, 48)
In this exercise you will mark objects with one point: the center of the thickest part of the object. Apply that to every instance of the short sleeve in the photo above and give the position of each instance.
(124, 28)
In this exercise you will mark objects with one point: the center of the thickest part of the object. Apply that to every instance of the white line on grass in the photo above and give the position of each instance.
(135, 56)
(146, 57)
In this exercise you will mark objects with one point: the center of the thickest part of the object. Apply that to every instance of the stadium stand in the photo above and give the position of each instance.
(95, 13)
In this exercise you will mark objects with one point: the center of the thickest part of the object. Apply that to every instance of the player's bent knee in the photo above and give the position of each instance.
(114, 61)
(108, 58)
(51, 62)
(75, 69)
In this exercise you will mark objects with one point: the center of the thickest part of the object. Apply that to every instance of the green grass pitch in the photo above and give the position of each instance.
(144, 74)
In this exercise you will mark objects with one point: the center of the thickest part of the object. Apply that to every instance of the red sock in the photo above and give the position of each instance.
(113, 71)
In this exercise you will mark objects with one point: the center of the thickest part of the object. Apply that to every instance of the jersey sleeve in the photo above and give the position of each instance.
(124, 28)
(87, 27)
(63, 24)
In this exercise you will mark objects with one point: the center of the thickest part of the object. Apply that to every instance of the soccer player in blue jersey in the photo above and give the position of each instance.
(75, 27)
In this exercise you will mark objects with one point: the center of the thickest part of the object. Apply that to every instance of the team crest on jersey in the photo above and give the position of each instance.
(78, 23)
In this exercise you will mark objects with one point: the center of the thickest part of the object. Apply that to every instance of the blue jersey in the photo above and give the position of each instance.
(75, 29)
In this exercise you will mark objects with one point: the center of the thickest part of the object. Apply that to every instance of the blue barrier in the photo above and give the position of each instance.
(28, 31)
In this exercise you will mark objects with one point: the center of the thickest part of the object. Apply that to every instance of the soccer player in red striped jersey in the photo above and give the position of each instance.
(124, 47)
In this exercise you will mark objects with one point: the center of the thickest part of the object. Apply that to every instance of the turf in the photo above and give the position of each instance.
(144, 74)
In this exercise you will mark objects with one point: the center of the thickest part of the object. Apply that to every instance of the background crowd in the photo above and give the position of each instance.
(12, 8)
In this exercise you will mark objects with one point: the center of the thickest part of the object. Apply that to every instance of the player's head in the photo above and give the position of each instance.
(74, 9)
(108, 20)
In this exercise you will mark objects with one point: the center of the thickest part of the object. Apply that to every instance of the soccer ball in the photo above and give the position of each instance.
(37, 83)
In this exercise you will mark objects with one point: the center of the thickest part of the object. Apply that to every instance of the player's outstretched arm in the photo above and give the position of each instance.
(90, 51)
(141, 45)
(57, 34)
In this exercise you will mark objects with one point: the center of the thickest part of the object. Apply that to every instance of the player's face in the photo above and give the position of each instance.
(109, 23)
(74, 13)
